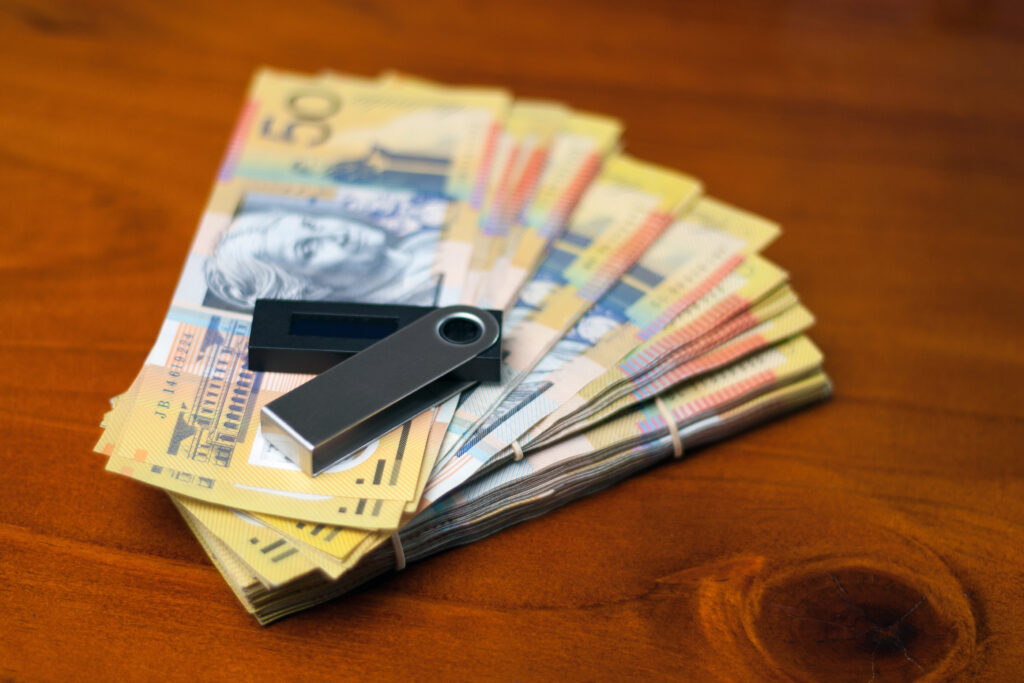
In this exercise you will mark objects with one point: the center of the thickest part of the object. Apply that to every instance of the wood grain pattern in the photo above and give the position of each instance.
(877, 537)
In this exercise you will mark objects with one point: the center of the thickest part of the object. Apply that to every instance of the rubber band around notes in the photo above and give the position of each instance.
(673, 428)
(517, 451)
(396, 543)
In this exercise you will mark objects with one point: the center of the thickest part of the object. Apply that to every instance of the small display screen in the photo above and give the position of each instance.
(348, 326)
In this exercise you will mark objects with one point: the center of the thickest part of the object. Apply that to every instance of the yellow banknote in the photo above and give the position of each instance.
(721, 390)
(272, 558)
(602, 367)
(346, 543)
(685, 261)
(372, 493)
(788, 323)
(689, 407)
(332, 129)
(242, 581)
(522, 152)
(620, 216)
(576, 158)
(467, 242)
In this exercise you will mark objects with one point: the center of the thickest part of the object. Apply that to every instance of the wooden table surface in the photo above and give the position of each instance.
(879, 536)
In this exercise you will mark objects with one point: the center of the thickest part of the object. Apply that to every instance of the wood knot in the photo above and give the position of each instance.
(841, 619)
(854, 623)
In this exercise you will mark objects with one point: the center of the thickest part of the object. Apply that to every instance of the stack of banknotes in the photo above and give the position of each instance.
(640, 322)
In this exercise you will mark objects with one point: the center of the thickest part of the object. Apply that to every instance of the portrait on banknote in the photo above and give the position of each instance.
(362, 244)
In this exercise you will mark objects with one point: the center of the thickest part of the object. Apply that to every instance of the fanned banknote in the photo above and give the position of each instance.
(640, 322)
(685, 261)
(620, 216)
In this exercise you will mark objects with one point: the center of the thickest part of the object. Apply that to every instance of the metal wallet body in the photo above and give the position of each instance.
(417, 366)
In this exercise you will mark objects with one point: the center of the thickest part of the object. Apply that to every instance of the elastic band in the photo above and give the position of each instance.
(396, 543)
(673, 429)
(517, 451)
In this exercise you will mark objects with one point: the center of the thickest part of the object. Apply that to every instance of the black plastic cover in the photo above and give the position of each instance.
(310, 337)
